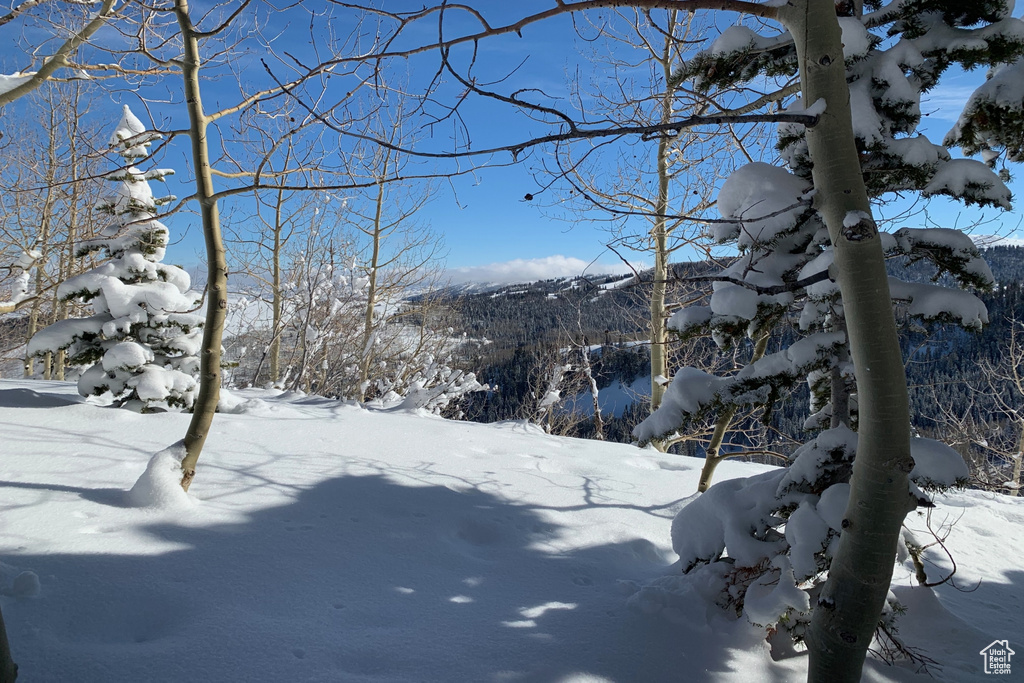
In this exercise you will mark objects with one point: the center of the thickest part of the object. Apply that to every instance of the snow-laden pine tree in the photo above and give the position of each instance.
(773, 541)
(141, 342)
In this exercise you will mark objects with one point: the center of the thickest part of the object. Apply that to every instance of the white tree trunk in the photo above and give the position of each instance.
(852, 599)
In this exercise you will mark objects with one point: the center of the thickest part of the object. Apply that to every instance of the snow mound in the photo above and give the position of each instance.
(160, 485)
(228, 402)
(26, 585)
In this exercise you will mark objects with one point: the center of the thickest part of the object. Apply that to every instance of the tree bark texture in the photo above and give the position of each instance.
(659, 234)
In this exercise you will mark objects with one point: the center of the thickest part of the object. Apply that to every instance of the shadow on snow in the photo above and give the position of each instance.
(358, 578)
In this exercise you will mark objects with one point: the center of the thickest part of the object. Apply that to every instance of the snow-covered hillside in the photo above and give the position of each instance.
(325, 542)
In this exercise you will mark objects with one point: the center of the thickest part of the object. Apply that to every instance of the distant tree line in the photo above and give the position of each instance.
(530, 326)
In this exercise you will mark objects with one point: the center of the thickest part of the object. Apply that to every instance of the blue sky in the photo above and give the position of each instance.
(489, 230)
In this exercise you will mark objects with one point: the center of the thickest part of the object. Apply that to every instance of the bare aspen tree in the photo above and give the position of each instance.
(1005, 390)
(395, 254)
(853, 596)
(666, 182)
(242, 175)
(326, 287)
(360, 248)
(321, 316)
(259, 246)
(657, 182)
(45, 228)
(77, 221)
(43, 202)
(217, 268)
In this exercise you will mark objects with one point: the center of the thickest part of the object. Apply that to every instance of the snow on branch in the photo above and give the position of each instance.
(775, 532)
(794, 286)
(694, 394)
(994, 116)
(20, 288)
(950, 250)
(970, 180)
(941, 304)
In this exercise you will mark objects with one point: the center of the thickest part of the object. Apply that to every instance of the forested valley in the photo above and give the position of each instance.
(525, 345)
(520, 333)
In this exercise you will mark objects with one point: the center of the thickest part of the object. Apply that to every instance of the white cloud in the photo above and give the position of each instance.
(530, 270)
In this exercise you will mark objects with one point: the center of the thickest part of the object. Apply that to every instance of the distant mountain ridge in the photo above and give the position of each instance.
(549, 285)
(989, 241)
(528, 324)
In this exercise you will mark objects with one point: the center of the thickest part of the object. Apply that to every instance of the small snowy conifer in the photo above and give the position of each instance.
(141, 342)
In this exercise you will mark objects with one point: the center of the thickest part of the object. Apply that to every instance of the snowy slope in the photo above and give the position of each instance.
(614, 399)
(986, 241)
(324, 542)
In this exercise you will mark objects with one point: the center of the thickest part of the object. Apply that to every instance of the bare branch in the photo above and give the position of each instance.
(561, 7)
(59, 58)
(226, 23)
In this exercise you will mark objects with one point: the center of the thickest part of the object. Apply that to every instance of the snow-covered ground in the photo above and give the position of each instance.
(325, 542)
(614, 399)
